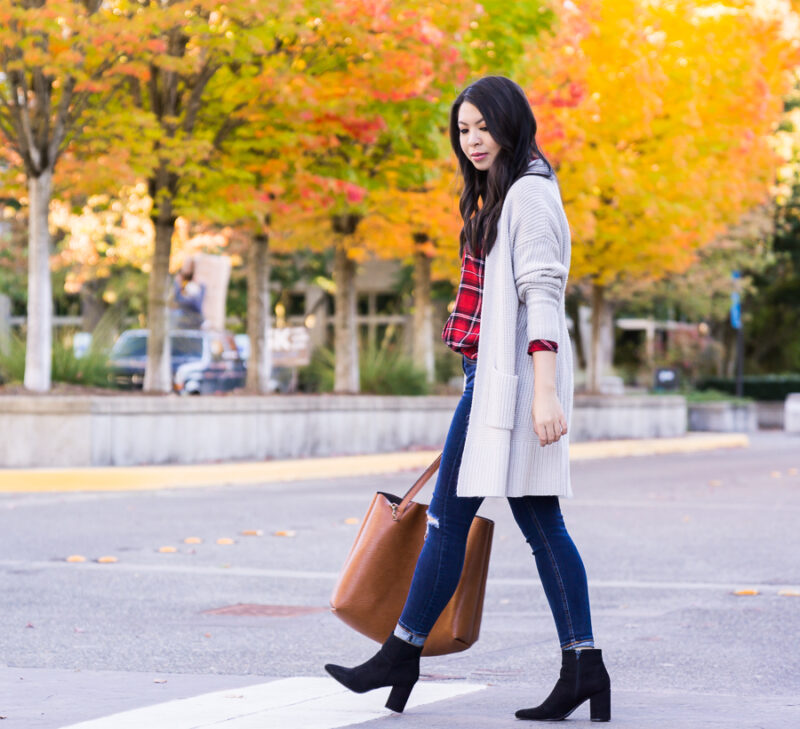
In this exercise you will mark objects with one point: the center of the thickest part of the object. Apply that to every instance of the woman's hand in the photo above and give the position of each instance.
(549, 422)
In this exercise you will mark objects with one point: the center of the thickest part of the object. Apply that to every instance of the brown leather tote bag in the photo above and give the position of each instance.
(374, 582)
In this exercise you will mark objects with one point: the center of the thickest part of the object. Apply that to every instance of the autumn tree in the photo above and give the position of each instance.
(59, 60)
(388, 141)
(658, 116)
(178, 86)
(414, 217)
(237, 92)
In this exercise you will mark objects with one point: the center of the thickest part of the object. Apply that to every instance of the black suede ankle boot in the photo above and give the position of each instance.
(583, 676)
(396, 664)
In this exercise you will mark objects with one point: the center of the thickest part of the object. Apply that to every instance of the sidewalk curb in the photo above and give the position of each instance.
(150, 478)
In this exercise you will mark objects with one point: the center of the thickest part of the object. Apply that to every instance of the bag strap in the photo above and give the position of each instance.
(399, 510)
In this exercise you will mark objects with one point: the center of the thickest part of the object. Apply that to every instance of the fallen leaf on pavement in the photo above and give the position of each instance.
(192, 540)
(775, 474)
(715, 482)
(76, 558)
(167, 550)
(789, 593)
(252, 533)
(224, 540)
(30, 625)
(746, 592)
(107, 560)
(351, 520)
(285, 533)
(159, 680)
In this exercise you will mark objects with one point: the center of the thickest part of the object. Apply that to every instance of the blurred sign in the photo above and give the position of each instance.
(736, 310)
(290, 346)
(666, 378)
(736, 302)
(213, 272)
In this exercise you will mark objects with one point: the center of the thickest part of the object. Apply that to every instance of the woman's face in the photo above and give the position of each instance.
(476, 142)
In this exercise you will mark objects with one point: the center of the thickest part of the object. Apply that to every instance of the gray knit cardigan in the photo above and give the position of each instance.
(523, 299)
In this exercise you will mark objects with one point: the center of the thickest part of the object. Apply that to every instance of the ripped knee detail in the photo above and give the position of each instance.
(432, 521)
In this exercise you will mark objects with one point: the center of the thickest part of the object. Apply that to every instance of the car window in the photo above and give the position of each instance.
(189, 347)
(129, 347)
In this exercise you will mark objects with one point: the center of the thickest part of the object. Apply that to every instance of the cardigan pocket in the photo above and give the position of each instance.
(501, 399)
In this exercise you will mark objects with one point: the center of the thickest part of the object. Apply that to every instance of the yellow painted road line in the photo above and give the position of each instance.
(148, 478)
(657, 446)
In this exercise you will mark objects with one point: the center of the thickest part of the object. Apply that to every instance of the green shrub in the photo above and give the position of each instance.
(12, 360)
(447, 365)
(758, 387)
(714, 396)
(383, 370)
(319, 374)
(91, 370)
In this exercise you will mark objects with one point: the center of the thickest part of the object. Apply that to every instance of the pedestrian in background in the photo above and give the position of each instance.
(188, 296)
(508, 437)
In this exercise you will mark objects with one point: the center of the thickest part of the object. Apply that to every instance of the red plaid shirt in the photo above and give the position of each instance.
(462, 329)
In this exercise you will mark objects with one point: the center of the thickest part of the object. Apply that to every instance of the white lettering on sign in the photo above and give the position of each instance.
(290, 346)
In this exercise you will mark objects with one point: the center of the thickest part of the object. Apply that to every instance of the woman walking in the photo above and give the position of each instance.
(508, 437)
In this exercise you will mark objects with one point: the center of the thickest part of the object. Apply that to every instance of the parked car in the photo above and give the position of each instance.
(280, 379)
(202, 361)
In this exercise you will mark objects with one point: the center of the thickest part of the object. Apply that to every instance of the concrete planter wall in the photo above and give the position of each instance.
(723, 417)
(116, 431)
(122, 431)
(770, 414)
(792, 413)
(605, 417)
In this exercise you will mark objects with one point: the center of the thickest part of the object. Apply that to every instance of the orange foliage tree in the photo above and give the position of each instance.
(376, 123)
(388, 171)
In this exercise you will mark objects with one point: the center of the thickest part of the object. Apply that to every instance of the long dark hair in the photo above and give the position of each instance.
(509, 119)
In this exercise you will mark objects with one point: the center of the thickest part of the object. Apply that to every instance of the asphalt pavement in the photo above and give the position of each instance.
(206, 606)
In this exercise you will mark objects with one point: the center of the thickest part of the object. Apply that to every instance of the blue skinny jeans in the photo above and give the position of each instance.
(439, 565)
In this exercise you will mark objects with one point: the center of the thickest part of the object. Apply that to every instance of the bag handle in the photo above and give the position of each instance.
(402, 507)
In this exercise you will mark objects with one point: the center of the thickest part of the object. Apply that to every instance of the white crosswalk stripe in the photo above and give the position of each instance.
(289, 703)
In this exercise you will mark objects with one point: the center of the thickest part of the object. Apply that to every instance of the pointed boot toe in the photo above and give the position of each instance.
(583, 677)
(396, 664)
(344, 676)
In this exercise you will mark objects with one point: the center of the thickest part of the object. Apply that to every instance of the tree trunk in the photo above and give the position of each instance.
(5, 323)
(346, 377)
(92, 305)
(259, 365)
(601, 352)
(38, 357)
(423, 315)
(158, 371)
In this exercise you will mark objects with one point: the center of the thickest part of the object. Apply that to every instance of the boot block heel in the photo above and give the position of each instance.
(398, 698)
(600, 706)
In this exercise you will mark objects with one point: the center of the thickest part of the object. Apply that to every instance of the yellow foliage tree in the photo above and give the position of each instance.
(658, 116)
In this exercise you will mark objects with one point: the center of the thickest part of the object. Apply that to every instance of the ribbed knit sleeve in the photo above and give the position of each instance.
(539, 274)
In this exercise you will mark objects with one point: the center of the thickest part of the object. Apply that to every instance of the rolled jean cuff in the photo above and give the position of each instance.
(409, 637)
(578, 644)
